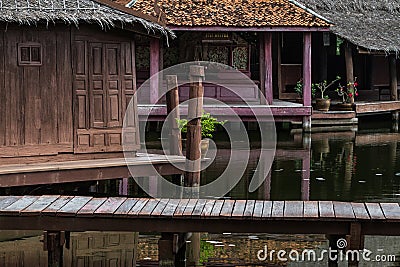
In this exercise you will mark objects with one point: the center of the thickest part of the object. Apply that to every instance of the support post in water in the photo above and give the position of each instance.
(195, 109)
(356, 241)
(53, 243)
(172, 97)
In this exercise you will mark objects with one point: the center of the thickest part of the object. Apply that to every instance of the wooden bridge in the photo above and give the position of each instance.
(80, 213)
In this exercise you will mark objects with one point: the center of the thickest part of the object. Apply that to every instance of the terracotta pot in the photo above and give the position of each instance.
(322, 104)
(344, 106)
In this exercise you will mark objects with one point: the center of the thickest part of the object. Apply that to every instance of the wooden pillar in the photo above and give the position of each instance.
(306, 165)
(348, 54)
(172, 97)
(307, 78)
(355, 242)
(154, 69)
(393, 84)
(53, 244)
(268, 86)
(166, 257)
(193, 153)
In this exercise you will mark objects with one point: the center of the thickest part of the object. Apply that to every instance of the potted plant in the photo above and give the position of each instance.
(348, 93)
(298, 88)
(324, 102)
(208, 127)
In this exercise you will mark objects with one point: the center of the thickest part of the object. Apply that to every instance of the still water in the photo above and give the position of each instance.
(358, 165)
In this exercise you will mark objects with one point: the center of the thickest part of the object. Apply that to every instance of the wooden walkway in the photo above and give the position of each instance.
(80, 213)
(88, 170)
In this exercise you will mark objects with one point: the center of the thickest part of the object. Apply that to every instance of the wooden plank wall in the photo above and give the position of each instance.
(36, 110)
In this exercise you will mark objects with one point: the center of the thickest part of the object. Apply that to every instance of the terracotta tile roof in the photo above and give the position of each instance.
(233, 13)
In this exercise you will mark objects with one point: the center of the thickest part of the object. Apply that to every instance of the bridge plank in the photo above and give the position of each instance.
(39, 205)
(248, 211)
(278, 209)
(190, 207)
(138, 207)
(181, 207)
(171, 207)
(110, 206)
(149, 207)
(91, 206)
(208, 208)
(375, 211)
(391, 211)
(326, 209)
(293, 209)
(258, 209)
(238, 209)
(310, 209)
(217, 207)
(73, 206)
(343, 210)
(360, 211)
(125, 207)
(19, 205)
(227, 208)
(162, 203)
(199, 207)
(56, 205)
(6, 201)
(267, 209)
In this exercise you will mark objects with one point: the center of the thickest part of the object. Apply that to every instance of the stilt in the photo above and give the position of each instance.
(166, 257)
(194, 250)
(333, 239)
(356, 242)
(53, 243)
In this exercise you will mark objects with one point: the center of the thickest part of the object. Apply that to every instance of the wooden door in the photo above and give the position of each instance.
(104, 85)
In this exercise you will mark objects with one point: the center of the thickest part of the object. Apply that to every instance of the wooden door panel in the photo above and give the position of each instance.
(109, 88)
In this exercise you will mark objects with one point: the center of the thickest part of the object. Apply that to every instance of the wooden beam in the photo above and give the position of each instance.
(307, 69)
(154, 69)
(268, 86)
(348, 54)
(248, 29)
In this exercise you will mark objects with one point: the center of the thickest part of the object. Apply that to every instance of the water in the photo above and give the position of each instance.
(344, 166)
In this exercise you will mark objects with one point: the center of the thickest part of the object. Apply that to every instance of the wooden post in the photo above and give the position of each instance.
(306, 164)
(393, 84)
(172, 97)
(307, 78)
(268, 86)
(348, 54)
(261, 41)
(154, 69)
(53, 244)
(195, 109)
(356, 241)
(166, 257)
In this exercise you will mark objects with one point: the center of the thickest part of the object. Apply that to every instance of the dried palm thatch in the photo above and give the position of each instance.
(372, 24)
(72, 12)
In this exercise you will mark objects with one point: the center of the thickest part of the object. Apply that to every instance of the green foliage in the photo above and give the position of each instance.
(299, 89)
(322, 86)
(207, 251)
(208, 125)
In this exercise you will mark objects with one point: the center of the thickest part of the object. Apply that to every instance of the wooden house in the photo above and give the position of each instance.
(67, 74)
(369, 30)
(269, 41)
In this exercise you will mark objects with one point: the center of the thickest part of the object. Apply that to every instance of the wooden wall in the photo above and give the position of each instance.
(36, 101)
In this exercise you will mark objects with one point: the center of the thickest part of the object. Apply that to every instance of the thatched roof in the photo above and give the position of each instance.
(229, 13)
(372, 24)
(103, 12)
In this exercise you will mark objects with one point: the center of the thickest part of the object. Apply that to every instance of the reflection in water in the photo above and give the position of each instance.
(346, 166)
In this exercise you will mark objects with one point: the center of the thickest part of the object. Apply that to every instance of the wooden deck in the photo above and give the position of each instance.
(87, 170)
(81, 213)
(366, 108)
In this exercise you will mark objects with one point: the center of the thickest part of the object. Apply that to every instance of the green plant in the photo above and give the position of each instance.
(298, 88)
(322, 86)
(348, 92)
(208, 125)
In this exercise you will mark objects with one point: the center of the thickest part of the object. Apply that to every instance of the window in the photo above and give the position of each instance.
(29, 54)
